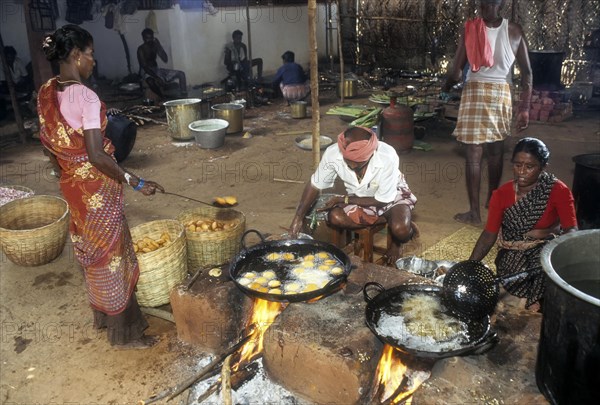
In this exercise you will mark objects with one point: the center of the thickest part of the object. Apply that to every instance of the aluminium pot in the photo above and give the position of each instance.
(568, 359)
(481, 337)
(298, 109)
(349, 87)
(209, 134)
(232, 113)
(180, 113)
(416, 265)
(251, 259)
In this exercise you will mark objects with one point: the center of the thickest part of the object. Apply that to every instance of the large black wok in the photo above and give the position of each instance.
(252, 259)
(480, 337)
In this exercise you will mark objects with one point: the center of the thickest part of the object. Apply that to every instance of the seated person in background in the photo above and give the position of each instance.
(157, 77)
(376, 189)
(523, 215)
(23, 82)
(291, 79)
(236, 59)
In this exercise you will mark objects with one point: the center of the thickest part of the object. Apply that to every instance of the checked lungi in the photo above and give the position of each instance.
(485, 113)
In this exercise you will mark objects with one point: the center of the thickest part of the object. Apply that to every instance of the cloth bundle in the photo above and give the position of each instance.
(479, 51)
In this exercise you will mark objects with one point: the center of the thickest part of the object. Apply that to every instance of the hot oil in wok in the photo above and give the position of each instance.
(419, 321)
(286, 273)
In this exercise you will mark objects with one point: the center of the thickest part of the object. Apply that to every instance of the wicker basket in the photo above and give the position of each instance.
(213, 248)
(163, 268)
(18, 188)
(33, 230)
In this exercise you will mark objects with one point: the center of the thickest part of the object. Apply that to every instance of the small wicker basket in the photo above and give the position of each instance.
(163, 268)
(213, 248)
(24, 189)
(33, 230)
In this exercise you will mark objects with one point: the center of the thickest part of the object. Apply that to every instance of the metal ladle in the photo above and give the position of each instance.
(188, 198)
(198, 201)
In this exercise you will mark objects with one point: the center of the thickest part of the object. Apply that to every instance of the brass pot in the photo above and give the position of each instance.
(232, 113)
(348, 87)
(180, 113)
(298, 109)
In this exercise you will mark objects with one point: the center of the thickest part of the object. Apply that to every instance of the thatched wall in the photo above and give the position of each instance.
(422, 34)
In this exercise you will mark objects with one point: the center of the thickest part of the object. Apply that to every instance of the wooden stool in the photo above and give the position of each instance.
(361, 239)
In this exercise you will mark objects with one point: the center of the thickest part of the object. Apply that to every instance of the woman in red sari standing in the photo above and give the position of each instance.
(73, 121)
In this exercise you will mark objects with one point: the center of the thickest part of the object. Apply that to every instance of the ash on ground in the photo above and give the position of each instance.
(257, 390)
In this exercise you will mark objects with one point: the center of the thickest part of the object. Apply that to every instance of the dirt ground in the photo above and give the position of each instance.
(49, 350)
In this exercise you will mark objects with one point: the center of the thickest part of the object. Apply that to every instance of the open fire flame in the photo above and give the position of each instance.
(263, 315)
(395, 381)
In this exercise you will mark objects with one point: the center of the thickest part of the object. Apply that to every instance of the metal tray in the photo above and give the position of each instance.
(302, 142)
(129, 87)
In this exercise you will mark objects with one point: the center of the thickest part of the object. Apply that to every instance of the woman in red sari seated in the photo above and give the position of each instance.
(523, 215)
(73, 121)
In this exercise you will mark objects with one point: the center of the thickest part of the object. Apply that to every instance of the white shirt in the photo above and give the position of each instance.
(381, 181)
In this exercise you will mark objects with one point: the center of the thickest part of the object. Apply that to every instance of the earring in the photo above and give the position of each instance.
(79, 62)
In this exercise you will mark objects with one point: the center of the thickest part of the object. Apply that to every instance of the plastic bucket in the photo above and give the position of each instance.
(180, 113)
(298, 109)
(586, 190)
(209, 134)
(232, 113)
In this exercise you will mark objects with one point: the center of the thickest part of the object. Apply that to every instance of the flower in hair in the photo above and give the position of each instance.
(47, 42)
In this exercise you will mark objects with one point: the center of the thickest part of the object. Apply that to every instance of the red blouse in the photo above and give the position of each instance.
(560, 205)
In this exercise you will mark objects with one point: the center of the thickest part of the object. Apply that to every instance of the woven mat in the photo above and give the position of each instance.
(458, 247)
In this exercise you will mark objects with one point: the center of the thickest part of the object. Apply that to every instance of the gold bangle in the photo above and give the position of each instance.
(346, 199)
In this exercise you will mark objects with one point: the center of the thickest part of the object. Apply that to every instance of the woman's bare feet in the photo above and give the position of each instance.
(469, 218)
(145, 342)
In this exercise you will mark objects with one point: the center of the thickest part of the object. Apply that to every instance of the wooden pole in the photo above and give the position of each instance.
(126, 48)
(339, 32)
(314, 81)
(329, 35)
(13, 94)
(42, 71)
(249, 36)
(159, 313)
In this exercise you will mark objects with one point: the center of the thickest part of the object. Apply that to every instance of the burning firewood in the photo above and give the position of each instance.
(226, 381)
(172, 392)
(392, 398)
(237, 380)
(398, 377)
